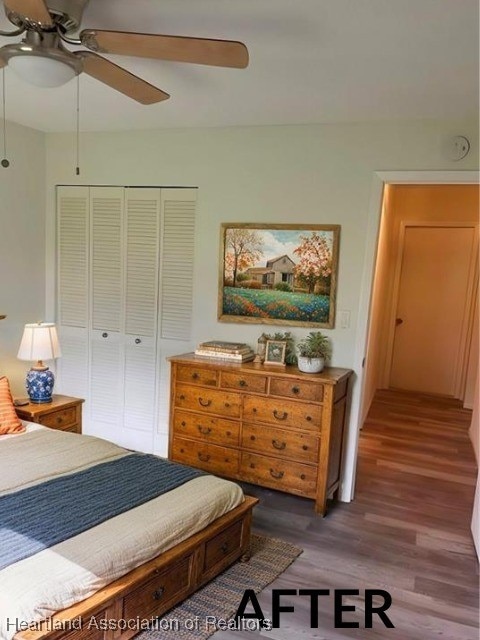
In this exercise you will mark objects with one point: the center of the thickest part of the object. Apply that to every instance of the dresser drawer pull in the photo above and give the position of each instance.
(279, 445)
(182, 397)
(302, 477)
(242, 383)
(204, 403)
(227, 405)
(304, 447)
(183, 423)
(308, 418)
(204, 430)
(195, 376)
(295, 389)
(59, 420)
(278, 475)
(138, 341)
(279, 416)
(158, 593)
(104, 334)
(204, 457)
(224, 548)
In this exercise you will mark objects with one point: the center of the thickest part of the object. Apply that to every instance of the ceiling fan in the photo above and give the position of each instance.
(42, 58)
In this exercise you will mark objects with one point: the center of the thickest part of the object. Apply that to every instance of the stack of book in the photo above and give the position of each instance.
(231, 351)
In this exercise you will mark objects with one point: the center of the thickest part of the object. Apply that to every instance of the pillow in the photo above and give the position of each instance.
(9, 421)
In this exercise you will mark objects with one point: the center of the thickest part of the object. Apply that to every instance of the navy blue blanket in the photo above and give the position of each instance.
(38, 517)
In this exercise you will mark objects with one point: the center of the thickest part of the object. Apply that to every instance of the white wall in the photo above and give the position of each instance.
(22, 246)
(306, 174)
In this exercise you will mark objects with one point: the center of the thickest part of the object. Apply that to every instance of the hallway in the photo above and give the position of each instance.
(407, 531)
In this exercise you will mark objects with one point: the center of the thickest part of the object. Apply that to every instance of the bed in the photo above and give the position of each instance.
(105, 579)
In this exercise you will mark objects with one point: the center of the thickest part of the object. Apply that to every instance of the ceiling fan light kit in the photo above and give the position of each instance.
(43, 60)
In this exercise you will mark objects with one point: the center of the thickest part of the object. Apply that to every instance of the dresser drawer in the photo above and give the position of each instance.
(208, 400)
(210, 457)
(197, 375)
(279, 474)
(156, 594)
(91, 628)
(282, 413)
(207, 428)
(303, 390)
(244, 382)
(60, 419)
(301, 447)
(219, 549)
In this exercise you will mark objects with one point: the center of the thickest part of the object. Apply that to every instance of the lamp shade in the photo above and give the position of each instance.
(39, 342)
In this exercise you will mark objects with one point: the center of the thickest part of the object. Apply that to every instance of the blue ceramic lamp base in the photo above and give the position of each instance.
(39, 385)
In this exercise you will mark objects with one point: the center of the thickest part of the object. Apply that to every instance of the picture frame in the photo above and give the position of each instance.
(275, 352)
(281, 274)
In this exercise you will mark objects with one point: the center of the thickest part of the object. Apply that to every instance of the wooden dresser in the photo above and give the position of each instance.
(271, 426)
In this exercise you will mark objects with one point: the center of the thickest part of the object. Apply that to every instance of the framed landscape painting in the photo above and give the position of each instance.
(283, 274)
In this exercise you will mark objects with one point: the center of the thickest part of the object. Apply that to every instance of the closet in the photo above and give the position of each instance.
(124, 285)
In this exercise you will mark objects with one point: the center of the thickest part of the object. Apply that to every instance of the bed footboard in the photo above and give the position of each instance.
(154, 587)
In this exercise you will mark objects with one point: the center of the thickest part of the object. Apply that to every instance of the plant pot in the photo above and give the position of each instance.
(310, 365)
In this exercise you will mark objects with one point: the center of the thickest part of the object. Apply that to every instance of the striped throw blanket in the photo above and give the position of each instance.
(40, 516)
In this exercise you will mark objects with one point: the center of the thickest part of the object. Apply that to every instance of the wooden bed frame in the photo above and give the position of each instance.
(153, 588)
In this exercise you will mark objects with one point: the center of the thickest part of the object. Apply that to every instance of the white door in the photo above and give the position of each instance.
(432, 308)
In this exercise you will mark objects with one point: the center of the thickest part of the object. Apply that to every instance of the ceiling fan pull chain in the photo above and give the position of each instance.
(77, 168)
(5, 163)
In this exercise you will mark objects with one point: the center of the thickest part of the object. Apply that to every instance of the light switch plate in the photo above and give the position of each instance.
(344, 319)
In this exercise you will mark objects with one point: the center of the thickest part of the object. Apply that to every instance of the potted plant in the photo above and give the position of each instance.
(313, 351)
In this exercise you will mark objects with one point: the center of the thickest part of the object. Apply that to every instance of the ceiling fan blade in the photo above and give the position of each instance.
(34, 10)
(120, 79)
(221, 53)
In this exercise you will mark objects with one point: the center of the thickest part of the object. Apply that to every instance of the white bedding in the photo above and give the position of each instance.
(56, 578)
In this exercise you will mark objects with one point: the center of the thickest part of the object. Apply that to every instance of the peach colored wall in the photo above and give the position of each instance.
(472, 382)
(373, 361)
(419, 203)
(409, 203)
(475, 436)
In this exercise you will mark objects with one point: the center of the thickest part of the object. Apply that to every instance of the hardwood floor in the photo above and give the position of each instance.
(406, 532)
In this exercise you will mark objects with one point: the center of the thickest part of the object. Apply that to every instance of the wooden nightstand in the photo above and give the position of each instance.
(63, 413)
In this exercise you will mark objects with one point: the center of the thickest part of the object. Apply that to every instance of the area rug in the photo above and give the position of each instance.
(220, 598)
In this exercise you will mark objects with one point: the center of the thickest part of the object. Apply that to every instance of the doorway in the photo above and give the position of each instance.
(362, 393)
(423, 302)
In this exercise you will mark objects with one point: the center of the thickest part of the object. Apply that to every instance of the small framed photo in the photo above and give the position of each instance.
(275, 352)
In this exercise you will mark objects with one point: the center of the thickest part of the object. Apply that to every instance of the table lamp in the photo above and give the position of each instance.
(39, 342)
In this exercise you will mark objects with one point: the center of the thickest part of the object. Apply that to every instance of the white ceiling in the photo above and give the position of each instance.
(310, 61)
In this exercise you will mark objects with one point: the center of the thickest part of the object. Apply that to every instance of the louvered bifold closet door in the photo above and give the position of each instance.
(142, 247)
(107, 292)
(72, 290)
(178, 242)
(176, 297)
